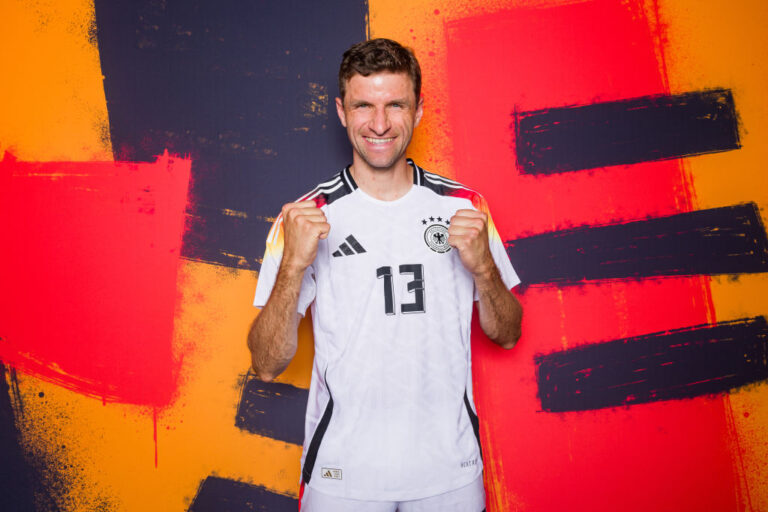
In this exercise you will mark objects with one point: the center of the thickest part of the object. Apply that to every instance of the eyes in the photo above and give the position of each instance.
(395, 105)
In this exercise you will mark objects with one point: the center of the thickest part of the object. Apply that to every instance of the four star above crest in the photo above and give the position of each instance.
(439, 219)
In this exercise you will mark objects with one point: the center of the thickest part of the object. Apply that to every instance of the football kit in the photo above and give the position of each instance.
(390, 414)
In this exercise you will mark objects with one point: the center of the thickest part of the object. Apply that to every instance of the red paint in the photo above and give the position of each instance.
(672, 455)
(732, 425)
(91, 252)
(661, 36)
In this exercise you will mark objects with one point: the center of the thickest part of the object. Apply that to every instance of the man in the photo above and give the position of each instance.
(390, 257)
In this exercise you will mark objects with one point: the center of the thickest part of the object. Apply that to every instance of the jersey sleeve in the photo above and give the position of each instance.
(498, 251)
(273, 255)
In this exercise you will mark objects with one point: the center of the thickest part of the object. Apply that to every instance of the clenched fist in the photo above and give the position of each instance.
(468, 234)
(305, 225)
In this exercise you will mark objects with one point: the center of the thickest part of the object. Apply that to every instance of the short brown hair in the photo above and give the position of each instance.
(376, 56)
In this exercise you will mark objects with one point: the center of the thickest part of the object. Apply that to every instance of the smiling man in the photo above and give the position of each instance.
(391, 258)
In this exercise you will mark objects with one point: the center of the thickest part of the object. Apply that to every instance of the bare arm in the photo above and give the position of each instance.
(272, 339)
(500, 312)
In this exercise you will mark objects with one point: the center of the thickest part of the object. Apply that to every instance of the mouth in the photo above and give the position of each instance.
(376, 141)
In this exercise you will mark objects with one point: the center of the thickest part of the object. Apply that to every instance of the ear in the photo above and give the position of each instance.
(340, 112)
(419, 110)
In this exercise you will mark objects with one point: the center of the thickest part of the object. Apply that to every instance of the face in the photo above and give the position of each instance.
(379, 112)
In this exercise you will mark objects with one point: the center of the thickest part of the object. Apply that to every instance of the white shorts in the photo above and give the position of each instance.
(470, 498)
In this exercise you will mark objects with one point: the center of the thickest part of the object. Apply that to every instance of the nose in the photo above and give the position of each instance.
(380, 123)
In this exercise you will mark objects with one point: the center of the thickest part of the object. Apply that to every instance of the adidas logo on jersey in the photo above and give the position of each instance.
(333, 473)
(348, 248)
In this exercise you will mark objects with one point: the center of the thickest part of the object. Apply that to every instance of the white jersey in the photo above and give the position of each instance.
(390, 414)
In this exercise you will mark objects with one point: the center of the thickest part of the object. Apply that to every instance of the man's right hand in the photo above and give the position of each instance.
(272, 338)
(305, 225)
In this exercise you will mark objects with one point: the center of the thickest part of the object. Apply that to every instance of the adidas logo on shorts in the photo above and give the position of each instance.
(348, 248)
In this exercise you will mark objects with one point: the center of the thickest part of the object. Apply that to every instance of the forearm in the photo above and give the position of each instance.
(272, 339)
(500, 312)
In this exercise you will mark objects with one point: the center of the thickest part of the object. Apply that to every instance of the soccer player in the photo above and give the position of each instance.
(391, 258)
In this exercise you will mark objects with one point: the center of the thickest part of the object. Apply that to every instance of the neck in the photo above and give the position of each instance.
(383, 184)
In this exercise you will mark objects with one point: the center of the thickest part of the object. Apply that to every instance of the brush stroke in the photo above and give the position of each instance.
(656, 127)
(727, 240)
(217, 494)
(89, 280)
(272, 409)
(671, 365)
(242, 87)
(16, 488)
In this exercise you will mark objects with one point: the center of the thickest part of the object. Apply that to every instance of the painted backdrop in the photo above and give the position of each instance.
(147, 145)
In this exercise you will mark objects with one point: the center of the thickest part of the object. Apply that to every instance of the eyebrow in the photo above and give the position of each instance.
(401, 101)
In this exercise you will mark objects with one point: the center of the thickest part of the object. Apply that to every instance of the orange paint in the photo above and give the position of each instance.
(154, 432)
(53, 99)
(708, 50)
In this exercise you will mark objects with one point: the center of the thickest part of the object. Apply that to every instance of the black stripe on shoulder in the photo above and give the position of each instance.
(349, 181)
(418, 173)
(442, 185)
(335, 188)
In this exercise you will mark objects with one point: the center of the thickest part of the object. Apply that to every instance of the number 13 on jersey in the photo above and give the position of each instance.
(415, 286)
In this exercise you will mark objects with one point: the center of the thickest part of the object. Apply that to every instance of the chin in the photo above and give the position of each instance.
(382, 165)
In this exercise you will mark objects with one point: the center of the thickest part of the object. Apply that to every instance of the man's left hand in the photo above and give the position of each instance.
(468, 233)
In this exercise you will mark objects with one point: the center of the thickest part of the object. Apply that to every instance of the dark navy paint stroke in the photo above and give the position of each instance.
(16, 486)
(29, 481)
(272, 409)
(222, 495)
(239, 240)
(626, 132)
(727, 240)
(228, 83)
(684, 363)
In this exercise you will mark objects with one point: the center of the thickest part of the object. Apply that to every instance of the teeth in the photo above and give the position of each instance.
(379, 141)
